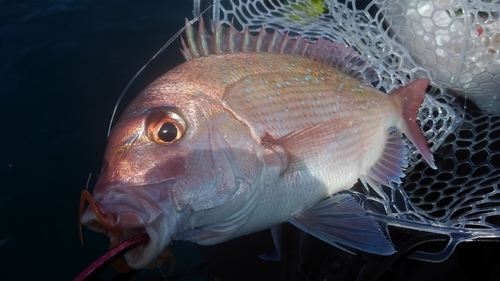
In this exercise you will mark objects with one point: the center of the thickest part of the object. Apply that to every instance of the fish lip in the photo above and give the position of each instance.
(139, 257)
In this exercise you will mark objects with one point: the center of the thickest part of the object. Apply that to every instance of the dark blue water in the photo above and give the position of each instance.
(62, 66)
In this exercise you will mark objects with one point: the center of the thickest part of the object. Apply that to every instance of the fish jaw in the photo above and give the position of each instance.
(126, 211)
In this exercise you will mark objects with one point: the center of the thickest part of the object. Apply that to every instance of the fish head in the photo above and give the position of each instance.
(176, 151)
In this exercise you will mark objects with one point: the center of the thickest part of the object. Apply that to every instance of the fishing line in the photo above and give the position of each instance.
(88, 181)
(163, 275)
(465, 107)
(151, 59)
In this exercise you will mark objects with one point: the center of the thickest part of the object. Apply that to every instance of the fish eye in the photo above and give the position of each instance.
(168, 132)
(165, 127)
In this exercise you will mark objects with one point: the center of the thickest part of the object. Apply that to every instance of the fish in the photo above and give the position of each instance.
(254, 130)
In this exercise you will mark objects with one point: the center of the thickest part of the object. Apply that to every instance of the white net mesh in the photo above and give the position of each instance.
(456, 44)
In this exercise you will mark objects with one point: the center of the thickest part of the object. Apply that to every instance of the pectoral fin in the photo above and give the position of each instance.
(306, 144)
(276, 254)
(340, 219)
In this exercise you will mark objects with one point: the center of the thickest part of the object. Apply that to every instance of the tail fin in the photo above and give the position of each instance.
(409, 99)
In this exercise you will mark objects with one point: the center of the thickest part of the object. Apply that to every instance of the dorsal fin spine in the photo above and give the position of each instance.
(231, 38)
(203, 38)
(272, 42)
(295, 44)
(217, 38)
(186, 55)
(260, 40)
(190, 37)
(246, 40)
(304, 48)
(315, 54)
(283, 43)
(268, 46)
(186, 52)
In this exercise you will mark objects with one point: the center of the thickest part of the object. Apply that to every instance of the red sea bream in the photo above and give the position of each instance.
(253, 131)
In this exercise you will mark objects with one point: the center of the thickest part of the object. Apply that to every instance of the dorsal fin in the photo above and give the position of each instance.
(228, 40)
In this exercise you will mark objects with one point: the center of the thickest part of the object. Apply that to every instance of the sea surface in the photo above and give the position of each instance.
(63, 64)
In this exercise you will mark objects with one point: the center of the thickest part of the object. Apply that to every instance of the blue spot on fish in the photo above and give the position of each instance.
(307, 78)
(340, 86)
(278, 85)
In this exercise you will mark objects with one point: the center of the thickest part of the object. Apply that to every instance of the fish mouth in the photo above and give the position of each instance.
(143, 255)
(123, 219)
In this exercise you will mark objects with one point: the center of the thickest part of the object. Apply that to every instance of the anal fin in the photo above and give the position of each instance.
(389, 166)
(340, 219)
